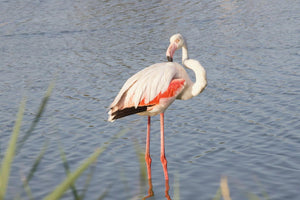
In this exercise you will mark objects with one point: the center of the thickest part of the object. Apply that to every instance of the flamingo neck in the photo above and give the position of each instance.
(200, 75)
(185, 55)
(199, 71)
(201, 81)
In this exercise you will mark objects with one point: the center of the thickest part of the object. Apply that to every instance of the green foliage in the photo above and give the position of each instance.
(13, 146)
(69, 182)
(32, 171)
(71, 178)
(37, 116)
(10, 152)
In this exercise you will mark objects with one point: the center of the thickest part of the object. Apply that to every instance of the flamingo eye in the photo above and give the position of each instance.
(177, 41)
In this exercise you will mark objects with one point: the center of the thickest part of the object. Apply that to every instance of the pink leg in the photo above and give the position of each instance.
(162, 147)
(147, 154)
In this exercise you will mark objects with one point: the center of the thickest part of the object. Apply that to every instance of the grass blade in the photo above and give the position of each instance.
(10, 151)
(252, 196)
(27, 190)
(224, 188)
(176, 187)
(32, 171)
(67, 169)
(141, 158)
(61, 188)
(103, 195)
(36, 163)
(218, 194)
(87, 182)
(37, 116)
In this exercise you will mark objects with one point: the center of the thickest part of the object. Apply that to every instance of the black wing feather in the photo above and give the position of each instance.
(128, 111)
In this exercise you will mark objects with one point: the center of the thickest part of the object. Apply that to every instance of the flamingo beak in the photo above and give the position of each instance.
(169, 59)
(170, 51)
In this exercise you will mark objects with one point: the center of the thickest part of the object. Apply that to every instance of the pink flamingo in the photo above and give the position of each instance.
(152, 90)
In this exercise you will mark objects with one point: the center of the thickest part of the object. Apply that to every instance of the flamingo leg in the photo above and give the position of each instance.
(147, 154)
(162, 147)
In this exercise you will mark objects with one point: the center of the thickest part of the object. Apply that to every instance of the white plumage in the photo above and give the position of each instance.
(152, 90)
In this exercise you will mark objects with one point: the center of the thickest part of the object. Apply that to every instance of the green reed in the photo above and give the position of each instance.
(15, 146)
(10, 152)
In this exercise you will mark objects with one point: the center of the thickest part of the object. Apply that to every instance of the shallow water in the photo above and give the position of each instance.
(245, 125)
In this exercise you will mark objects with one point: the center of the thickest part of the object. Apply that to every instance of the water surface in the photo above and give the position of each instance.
(245, 125)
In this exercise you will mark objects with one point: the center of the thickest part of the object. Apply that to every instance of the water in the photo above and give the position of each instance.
(245, 125)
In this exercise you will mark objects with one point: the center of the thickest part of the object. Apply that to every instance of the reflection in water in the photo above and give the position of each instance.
(167, 190)
(151, 193)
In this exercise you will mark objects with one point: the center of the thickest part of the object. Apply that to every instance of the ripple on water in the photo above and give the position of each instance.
(244, 125)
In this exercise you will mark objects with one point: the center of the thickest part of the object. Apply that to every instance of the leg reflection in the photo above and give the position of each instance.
(167, 190)
(150, 191)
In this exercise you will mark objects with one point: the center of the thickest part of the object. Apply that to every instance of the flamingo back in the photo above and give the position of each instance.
(145, 88)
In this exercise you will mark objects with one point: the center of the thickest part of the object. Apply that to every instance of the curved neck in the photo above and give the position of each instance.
(185, 55)
(200, 74)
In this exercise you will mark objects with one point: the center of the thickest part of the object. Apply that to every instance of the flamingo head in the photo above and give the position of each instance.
(176, 42)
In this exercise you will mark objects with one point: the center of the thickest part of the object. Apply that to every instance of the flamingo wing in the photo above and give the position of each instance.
(145, 89)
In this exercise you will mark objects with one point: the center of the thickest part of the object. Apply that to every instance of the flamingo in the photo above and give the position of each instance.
(152, 90)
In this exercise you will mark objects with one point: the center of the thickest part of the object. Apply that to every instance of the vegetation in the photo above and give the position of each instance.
(14, 147)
